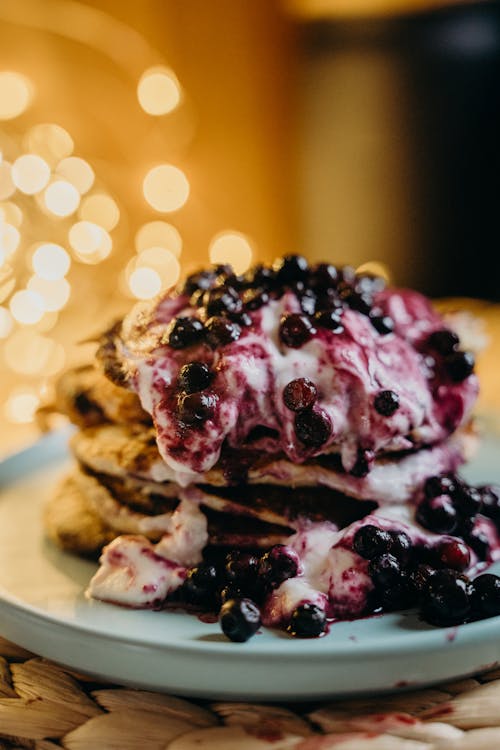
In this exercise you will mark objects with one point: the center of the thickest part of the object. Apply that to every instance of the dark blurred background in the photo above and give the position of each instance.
(140, 140)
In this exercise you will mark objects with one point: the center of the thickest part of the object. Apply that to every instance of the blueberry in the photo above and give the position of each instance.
(467, 499)
(223, 300)
(419, 577)
(313, 427)
(277, 565)
(194, 377)
(453, 553)
(439, 485)
(221, 331)
(200, 585)
(486, 595)
(295, 330)
(196, 408)
(184, 332)
(446, 599)
(370, 541)
(386, 403)
(443, 341)
(398, 595)
(308, 301)
(438, 514)
(291, 268)
(243, 319)
(359, 301)
(384, 324)
(230, 591)
(478, 541)
(241, 568)
(198, 280)
(459, 365)
(385, 571)
(261, 276)
(324, 276)
(299, 394)
(401, 547)
(307, 621)
(490, 502)
(329, 319)
(239, 619)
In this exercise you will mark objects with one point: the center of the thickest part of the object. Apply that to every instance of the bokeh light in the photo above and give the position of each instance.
(27, 306)
(54, 293)
(30, 353)
(166, 188)
(7, 187)
(158, 91)
(50, 261)
(10, 238)
(15, 94)
(30, 173)
(61, 198)
(21, 405)
(233, 248)
(101, 209)
(78, 172)
(6, 323)
(50, 141)
(91, 243)
(144, 283)
(158, 234)
(163, 262)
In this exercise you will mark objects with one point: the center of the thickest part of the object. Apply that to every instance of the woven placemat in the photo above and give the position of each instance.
(44, 706)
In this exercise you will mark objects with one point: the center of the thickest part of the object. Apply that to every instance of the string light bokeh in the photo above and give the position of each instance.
(63, 229)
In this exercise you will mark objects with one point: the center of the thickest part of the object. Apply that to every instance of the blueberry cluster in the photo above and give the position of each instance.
(450, 506)
(430, 577)
(443, 346)
(225, 301)
(194, 404)
(312, 425)
(237, 585)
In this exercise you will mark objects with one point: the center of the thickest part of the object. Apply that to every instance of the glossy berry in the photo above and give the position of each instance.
(438, 514)
(184, 332)
(241, 568)
(295, 330)
(195, 408)
(307, 621)
(443, 341)
(401, 547)
(230, 591)
(459, 365)
(239, 619)
(453, 553)
(200, 585)
(446, 599)
(370, 541)
(198, 280)
(359, 301)
(382, 323)
(308, 301)
(291, 268)
(467, 499)
(221, 331)
(486, 595)
(277, 565)
(419, 577)
(490, 502)
(324, 276)
(313, 427)
(223, 300)
(299, 394)
(261, 276)
(399, 595)
(194, 377)
(385, 571)
(329, 319)
(386, 403)
(243, 319)
(439, 485)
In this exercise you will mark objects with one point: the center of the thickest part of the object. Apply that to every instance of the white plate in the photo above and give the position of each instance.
(43, 608)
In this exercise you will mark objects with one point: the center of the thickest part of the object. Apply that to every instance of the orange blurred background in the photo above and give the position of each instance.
(140, 140)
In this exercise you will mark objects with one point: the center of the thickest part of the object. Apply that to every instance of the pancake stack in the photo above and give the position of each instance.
(274, 402)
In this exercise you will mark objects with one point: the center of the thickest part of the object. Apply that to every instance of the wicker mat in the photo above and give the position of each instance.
(44, 706)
